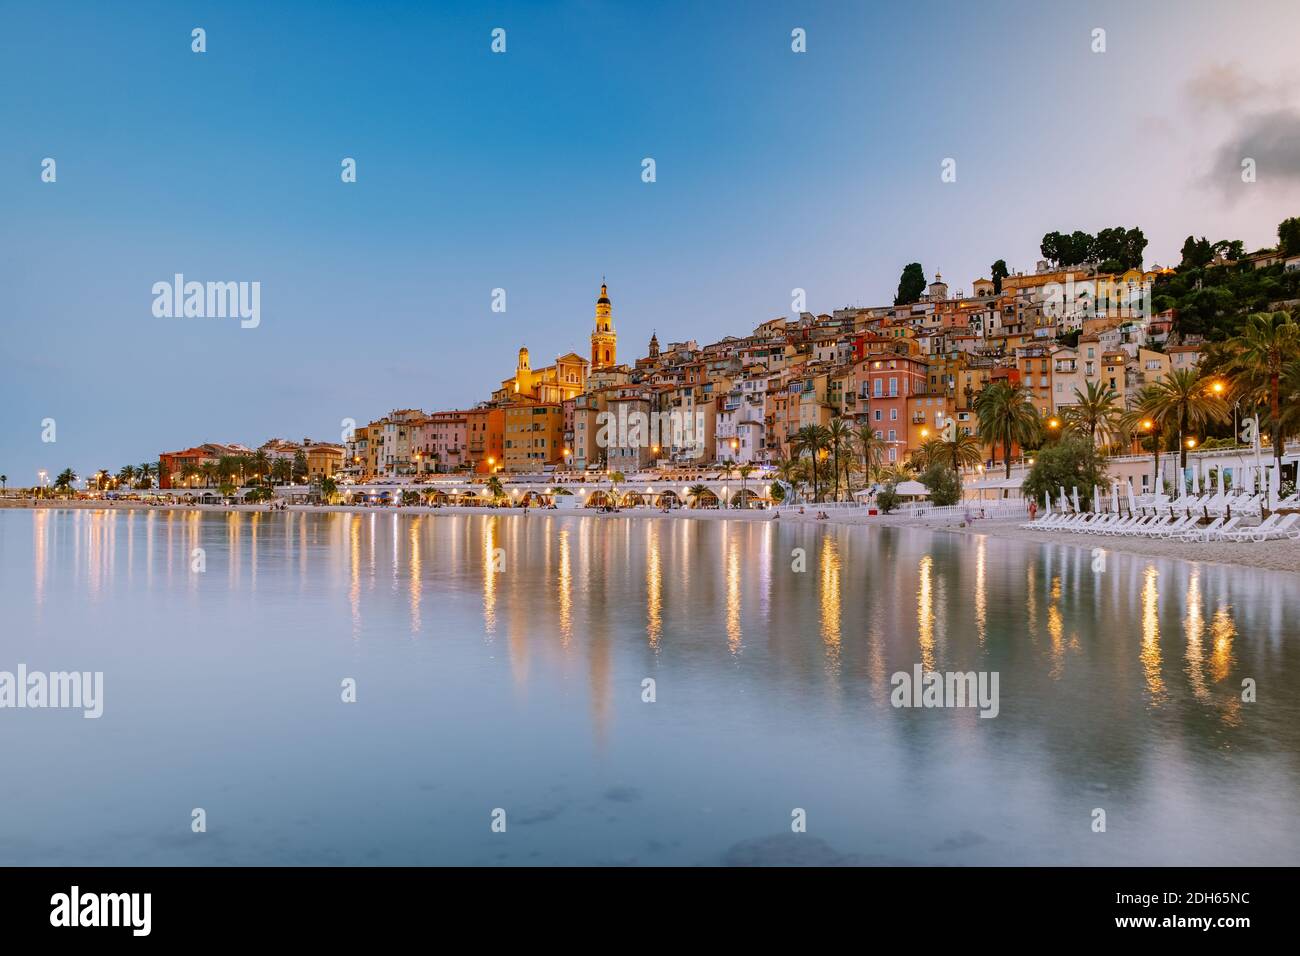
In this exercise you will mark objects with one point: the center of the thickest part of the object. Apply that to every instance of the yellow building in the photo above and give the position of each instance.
(534, 436)
(566, 379)
(324, 460)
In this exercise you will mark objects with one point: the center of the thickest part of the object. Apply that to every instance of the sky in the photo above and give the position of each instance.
(522, 170)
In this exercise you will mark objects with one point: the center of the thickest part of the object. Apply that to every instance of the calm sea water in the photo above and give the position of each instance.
(1120, 689)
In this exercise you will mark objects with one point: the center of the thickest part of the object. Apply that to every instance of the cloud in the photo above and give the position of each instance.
(1271, 139)
(1225, 86)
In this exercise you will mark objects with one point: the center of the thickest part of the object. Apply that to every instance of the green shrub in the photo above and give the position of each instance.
(887, 499)
(943, 484)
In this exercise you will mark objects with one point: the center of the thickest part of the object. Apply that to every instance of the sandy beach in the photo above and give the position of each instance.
(1282, 555)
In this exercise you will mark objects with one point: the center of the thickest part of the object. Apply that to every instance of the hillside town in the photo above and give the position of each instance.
(1062, 347)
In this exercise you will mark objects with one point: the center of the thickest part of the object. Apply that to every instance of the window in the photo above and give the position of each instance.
(893, 435)
(893, 414)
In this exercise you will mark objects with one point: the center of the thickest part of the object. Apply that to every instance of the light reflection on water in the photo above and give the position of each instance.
(513, 678)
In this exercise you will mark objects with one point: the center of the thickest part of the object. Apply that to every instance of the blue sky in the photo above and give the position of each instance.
(775, 170)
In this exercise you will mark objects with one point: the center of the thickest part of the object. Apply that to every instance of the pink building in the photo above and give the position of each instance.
(447, 435)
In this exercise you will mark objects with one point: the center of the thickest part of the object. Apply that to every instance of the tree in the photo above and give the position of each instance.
(126, 475)
(1118, 249)
(1073, 462)
(911, 284)
(696, 493)
(1265, 346)
(1095, 412)
(495, 489)
(1288, 237)
(869, 446)
(189, 470)
(810, 440)
(261, 464)
(615, 479)
(745, 471)
(1197, 253)
(887, 500)
(281, 470)
(4, 482)
(1185, 402)
(1231, 249)
(299, 469)
(409, 496)
(1006, 414)
(943, 483)
(839, 435)
(1000, 272)
(962, 451)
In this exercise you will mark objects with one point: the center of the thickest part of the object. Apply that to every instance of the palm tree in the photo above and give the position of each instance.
(1006, 414)
(65, 479)
(1184, 400)
(261, 464)
(4, 482)
(147, 471)
(495, 489)
(126, 475)
(962, 451)
(745, 471)
(1267, 342)
(810, 440)
(281, 470)
(1095, 412)
(870, 446)
(615, 479)
(696, 493)
(1290, 400)
(839, 435)
(1141, 417)
(189, 470)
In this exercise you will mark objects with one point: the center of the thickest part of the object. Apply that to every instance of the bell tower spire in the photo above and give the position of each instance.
(604, 340)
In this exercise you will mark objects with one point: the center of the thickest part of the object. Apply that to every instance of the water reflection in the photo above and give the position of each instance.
(1125, 681)
(831, 595)
(1151, 636)
(925, 612)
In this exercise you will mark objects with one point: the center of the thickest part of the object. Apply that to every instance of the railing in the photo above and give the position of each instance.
(970, 510)
(820, 506)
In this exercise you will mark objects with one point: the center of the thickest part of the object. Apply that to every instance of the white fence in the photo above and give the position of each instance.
(820, 506)
(968, 510)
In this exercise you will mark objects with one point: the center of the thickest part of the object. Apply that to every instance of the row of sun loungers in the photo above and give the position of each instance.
(1186, 527)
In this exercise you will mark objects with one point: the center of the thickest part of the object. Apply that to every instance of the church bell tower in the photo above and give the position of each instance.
(604, 341)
